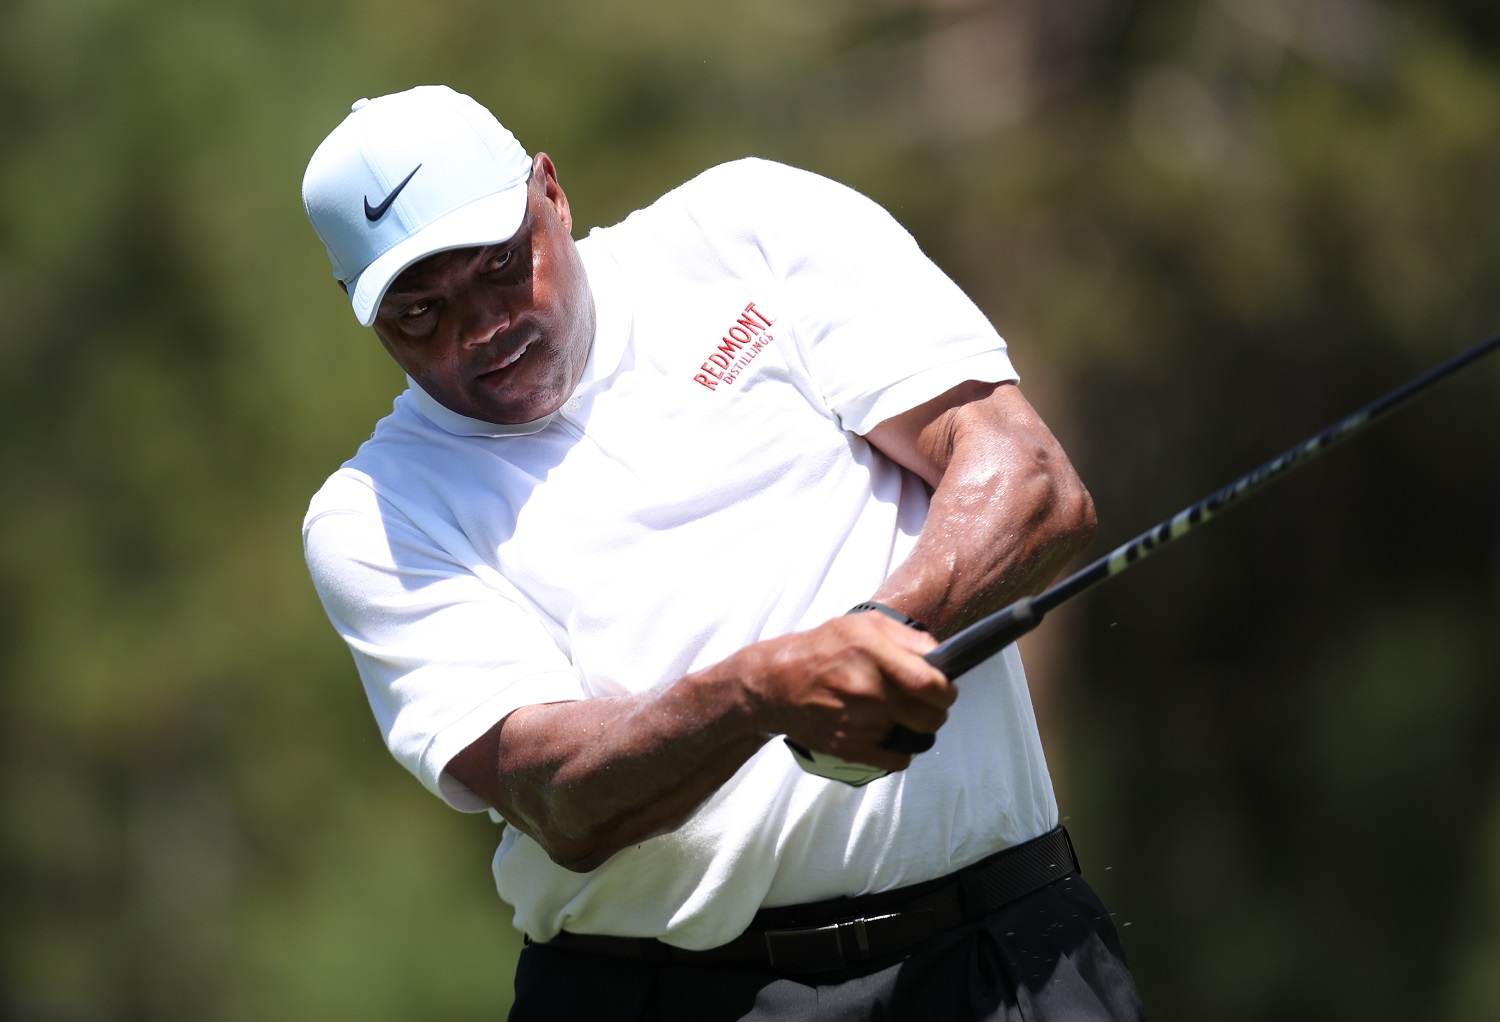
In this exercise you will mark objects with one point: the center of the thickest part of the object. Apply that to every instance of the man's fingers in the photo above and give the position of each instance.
(862, 731)
(913, 640)
(870, 752)
(899, 653)
(916, 714)
(903, 739)
(912, 680)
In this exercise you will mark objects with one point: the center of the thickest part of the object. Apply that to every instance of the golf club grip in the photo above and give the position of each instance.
(966, 650)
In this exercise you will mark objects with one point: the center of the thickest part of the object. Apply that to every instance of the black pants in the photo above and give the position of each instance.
(1052, 955)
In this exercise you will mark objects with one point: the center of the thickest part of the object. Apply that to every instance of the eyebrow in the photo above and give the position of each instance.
(404, 284)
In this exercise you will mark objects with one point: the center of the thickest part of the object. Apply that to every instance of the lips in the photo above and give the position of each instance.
(510, 359)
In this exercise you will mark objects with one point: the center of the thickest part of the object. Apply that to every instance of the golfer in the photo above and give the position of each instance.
(654, 499)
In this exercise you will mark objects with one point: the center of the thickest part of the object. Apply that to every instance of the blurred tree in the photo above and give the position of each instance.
(1207, 229)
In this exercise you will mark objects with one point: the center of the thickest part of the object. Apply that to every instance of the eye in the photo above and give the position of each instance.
(417, 310)
(500, 261)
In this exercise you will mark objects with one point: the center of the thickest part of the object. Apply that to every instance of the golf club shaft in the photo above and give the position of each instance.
(984, 638)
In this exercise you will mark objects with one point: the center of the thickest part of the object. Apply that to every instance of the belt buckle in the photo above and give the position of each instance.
(806, 949)
(817, 948)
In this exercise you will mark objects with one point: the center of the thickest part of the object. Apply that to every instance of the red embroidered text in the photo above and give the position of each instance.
(740, 344)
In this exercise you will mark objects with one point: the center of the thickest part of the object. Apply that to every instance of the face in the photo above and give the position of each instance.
(499, 333)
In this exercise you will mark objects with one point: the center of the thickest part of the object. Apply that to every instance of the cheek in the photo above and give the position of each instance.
(567, 292)
(430, 364)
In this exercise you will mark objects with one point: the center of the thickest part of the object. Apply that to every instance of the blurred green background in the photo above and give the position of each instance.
(1208, 229)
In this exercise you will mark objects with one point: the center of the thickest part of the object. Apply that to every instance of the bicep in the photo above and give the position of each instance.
(973, 415)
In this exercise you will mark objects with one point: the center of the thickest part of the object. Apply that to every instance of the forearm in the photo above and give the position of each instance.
(1008, 512)
(588, 778)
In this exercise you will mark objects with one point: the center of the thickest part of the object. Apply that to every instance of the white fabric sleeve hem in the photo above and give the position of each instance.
(904, 395)
(552, 687)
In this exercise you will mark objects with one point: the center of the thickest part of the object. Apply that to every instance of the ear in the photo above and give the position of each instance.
(343, 287)
(543, 168)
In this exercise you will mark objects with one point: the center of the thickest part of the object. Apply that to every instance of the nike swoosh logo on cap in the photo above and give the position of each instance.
(374, 213)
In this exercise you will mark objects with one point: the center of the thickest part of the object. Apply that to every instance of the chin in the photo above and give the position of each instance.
(515, 412)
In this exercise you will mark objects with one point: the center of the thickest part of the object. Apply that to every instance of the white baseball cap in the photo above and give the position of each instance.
(407, 175)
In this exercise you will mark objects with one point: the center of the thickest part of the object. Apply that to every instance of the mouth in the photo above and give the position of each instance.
(508, 360)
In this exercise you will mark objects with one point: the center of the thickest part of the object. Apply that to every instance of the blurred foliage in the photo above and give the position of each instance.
(1208, 229)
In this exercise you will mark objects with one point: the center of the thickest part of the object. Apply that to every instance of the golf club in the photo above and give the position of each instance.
(978, 642)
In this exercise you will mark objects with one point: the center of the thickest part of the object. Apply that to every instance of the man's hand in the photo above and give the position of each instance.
(843, 686)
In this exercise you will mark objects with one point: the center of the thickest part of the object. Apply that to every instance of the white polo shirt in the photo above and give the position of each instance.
(706, 486)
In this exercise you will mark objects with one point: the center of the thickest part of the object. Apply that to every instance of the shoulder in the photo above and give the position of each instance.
(400, 442)
(768, 186)
(755, 173)
(760, 207)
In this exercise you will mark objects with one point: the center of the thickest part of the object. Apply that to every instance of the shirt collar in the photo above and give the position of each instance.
(613, 323)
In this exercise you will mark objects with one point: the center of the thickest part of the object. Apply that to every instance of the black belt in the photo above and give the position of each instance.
(841, 931)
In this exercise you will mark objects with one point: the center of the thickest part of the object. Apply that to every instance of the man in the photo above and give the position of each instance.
(603, 551)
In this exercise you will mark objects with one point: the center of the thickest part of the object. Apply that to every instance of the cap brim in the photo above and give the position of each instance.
(485, 221)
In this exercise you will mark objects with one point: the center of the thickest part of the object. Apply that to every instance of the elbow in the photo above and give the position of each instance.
(1066, 509)
(577, 857)
(582, 846)
(544, 817)
(587, 853)
(1082, 520)
(579, 849)
(578, 853)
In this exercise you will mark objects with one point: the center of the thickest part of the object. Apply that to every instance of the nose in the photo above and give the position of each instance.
(485, 314)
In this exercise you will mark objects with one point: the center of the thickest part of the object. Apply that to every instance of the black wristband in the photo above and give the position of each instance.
(891, 612)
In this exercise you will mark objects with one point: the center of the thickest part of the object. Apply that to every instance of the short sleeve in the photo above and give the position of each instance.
(881, 328)
(443, 654)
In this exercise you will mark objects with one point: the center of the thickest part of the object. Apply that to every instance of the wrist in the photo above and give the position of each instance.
(890, 612)
(735, 693)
